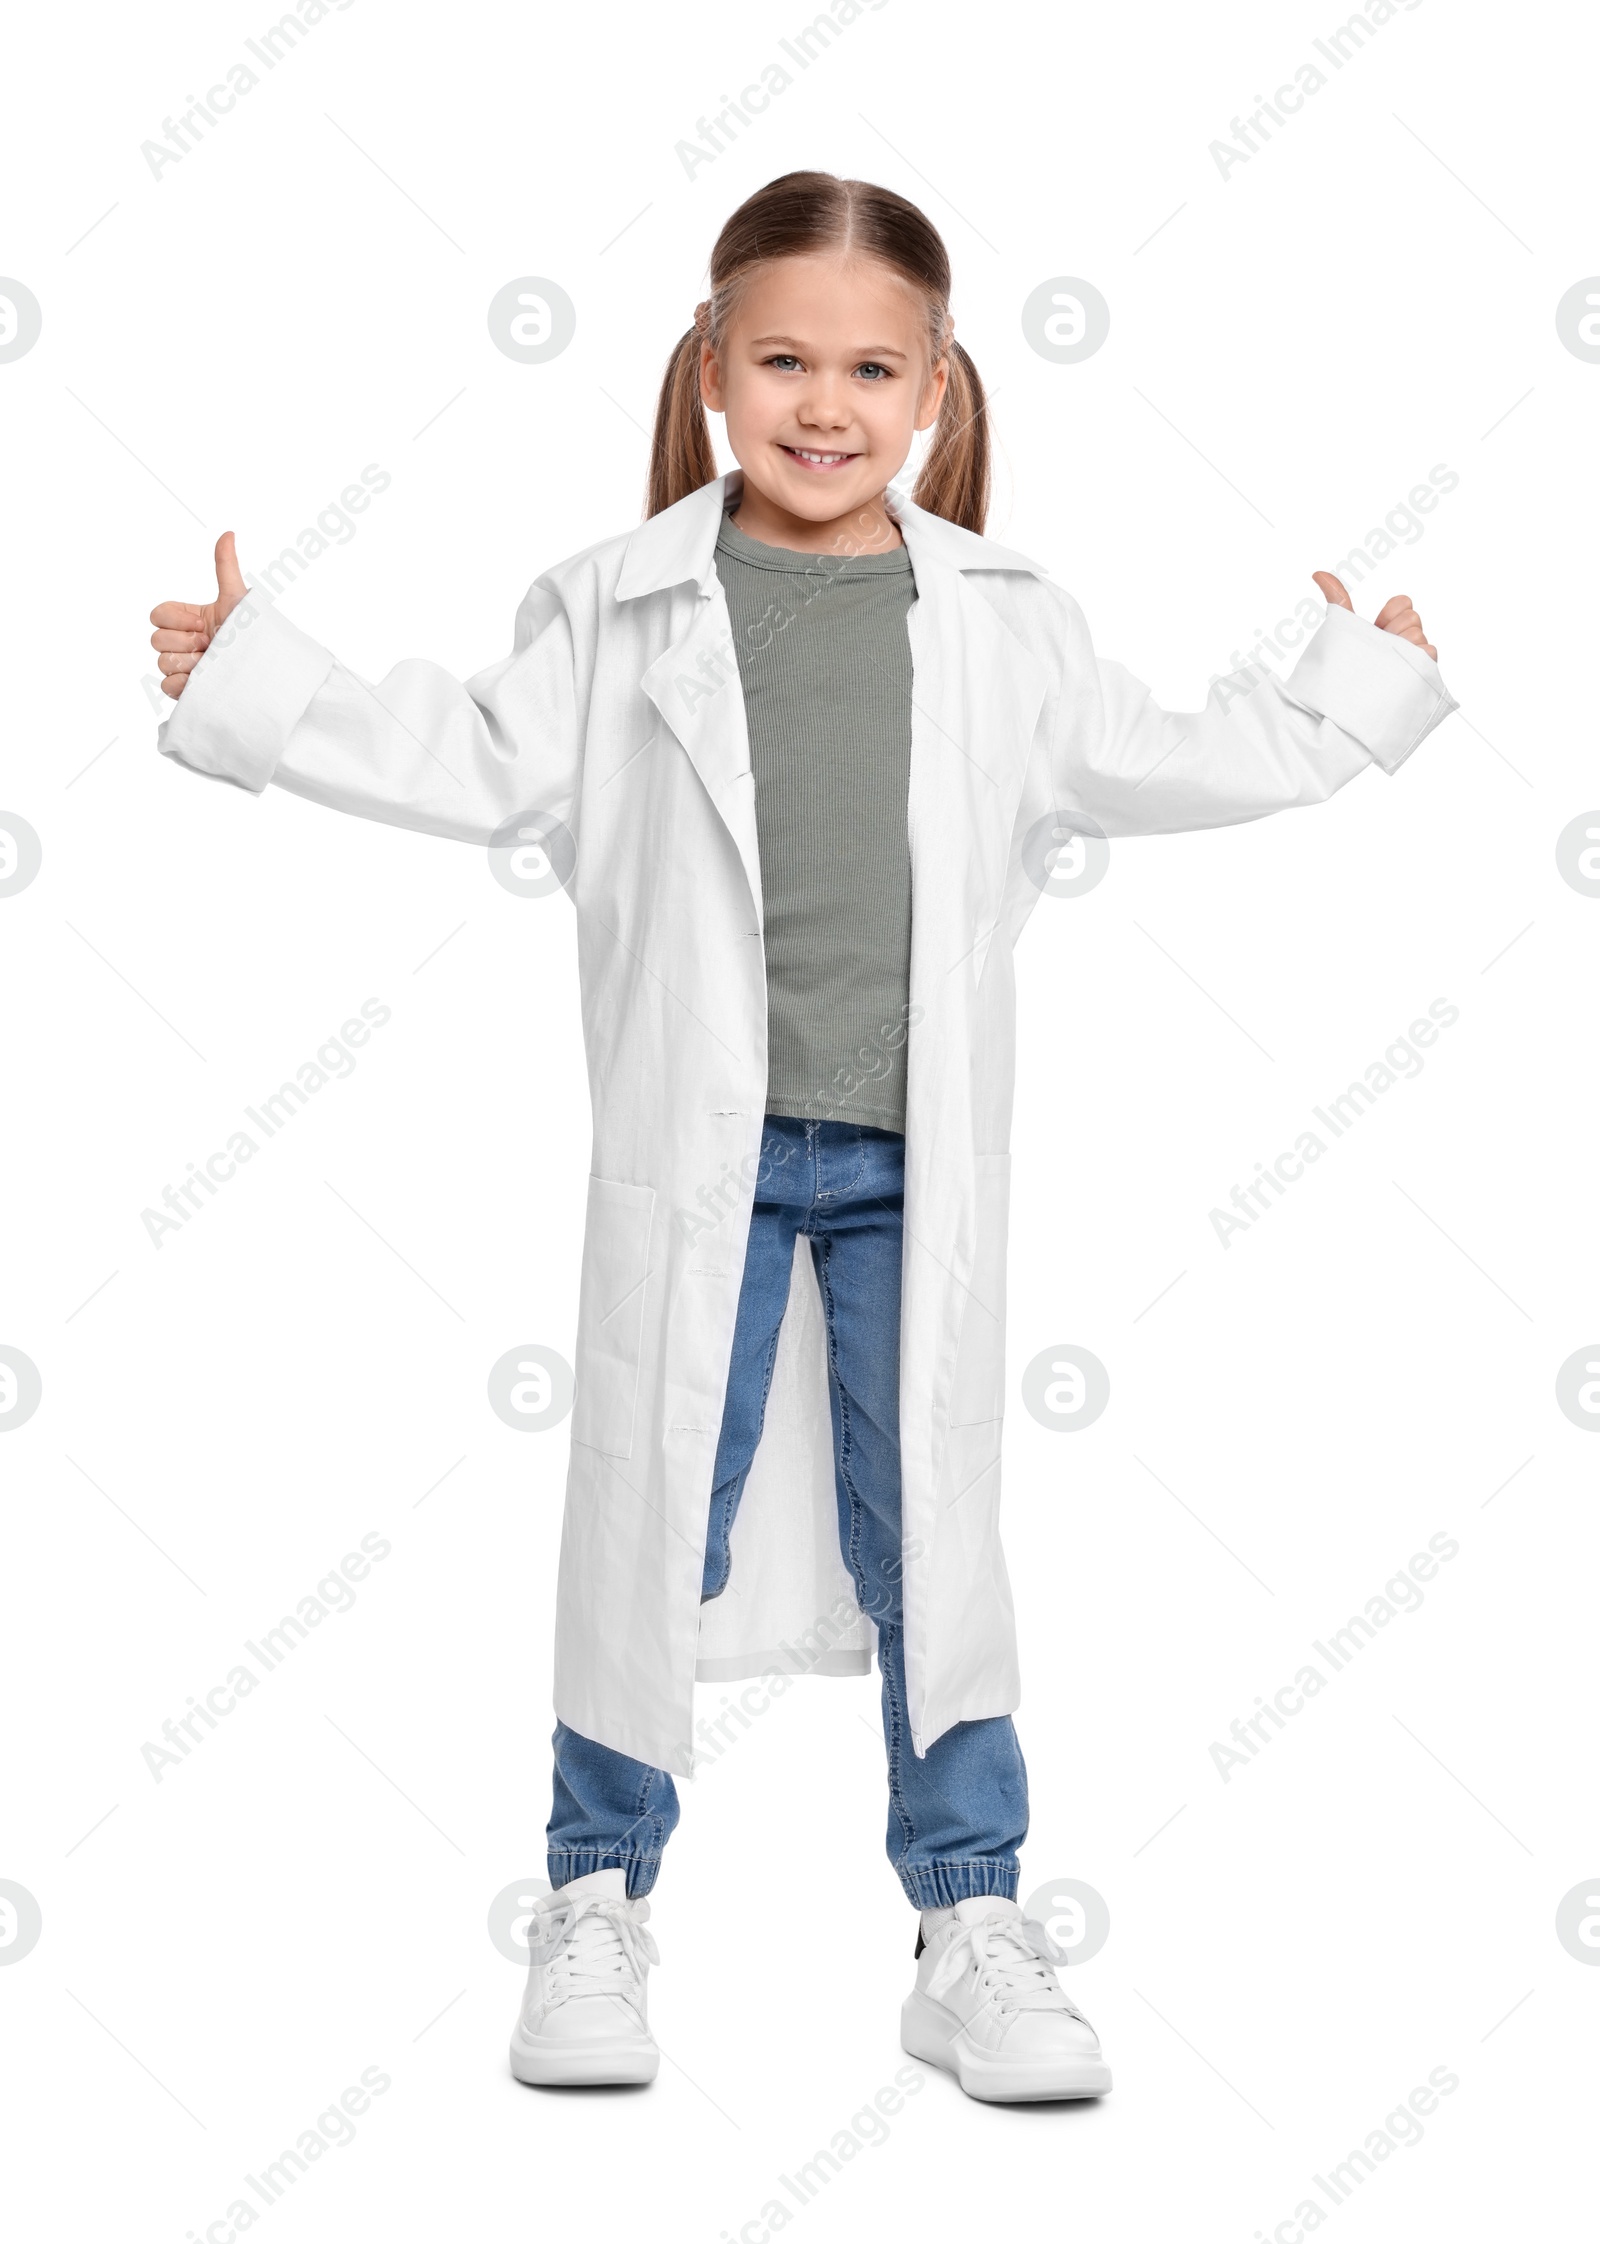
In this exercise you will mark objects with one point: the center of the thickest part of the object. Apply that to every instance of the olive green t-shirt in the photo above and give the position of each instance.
(825, 665)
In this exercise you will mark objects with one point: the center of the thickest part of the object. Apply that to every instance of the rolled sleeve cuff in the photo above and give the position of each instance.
(1381, 690)
(245, 695)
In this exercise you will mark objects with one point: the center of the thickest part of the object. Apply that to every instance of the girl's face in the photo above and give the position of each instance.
(824, 377)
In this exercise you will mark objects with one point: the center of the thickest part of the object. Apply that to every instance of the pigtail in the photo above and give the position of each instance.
(955, 475)
(681, 457)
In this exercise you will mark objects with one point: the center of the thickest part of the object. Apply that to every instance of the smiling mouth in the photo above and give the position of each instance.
(816, 461)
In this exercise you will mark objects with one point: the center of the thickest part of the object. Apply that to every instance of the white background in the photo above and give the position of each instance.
(1373, 1363)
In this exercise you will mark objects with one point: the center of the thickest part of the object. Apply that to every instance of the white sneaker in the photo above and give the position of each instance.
(583, 2015)
(988, 2007)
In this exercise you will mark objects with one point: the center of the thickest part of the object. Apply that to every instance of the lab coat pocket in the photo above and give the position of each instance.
(616, 1268)
(978, 1390)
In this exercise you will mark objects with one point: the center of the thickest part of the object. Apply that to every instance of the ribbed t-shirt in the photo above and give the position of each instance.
(825, 666)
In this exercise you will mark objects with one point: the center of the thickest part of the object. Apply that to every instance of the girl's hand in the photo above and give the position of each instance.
(1396, 615)
(183, 633)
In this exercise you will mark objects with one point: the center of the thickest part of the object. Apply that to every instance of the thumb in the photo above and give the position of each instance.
(230, 579)
(1331, 589)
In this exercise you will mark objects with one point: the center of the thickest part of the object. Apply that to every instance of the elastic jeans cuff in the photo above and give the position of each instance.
(940, 1885)
(581, 1862)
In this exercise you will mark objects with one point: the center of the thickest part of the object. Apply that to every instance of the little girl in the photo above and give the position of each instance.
(800, 751)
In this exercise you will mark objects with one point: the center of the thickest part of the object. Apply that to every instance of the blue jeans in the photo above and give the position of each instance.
(958, 1815)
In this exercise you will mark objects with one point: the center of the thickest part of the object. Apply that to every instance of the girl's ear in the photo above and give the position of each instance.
(933, 395)
(712, 395)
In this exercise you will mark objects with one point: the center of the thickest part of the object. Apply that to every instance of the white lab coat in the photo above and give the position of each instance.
(619, 713)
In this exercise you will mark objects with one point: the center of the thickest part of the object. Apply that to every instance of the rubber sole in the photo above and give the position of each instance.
(936, 2035)
(584, 2065)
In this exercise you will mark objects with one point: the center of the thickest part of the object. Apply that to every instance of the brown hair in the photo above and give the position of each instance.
(803, 212)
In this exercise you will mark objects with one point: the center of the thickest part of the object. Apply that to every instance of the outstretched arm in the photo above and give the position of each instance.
(259, 701)
(1360, 694)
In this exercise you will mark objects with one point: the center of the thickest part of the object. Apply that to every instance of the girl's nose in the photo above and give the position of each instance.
(825, 408)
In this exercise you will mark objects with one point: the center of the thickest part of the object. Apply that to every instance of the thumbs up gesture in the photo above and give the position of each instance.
(1396, 615)
(183, 632)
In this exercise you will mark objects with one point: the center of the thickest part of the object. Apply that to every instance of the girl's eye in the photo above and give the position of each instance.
(871, 366)
(783, 358)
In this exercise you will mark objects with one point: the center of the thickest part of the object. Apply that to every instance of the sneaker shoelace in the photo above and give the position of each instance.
(596, 1946)
(1011, 1957)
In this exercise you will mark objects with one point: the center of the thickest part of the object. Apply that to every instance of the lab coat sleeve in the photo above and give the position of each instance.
(1357, 696)
(266, 703)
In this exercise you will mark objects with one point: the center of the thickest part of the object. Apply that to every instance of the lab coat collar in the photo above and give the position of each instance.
(679, 544)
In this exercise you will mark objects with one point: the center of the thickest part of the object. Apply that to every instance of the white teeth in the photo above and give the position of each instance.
(823, 459)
